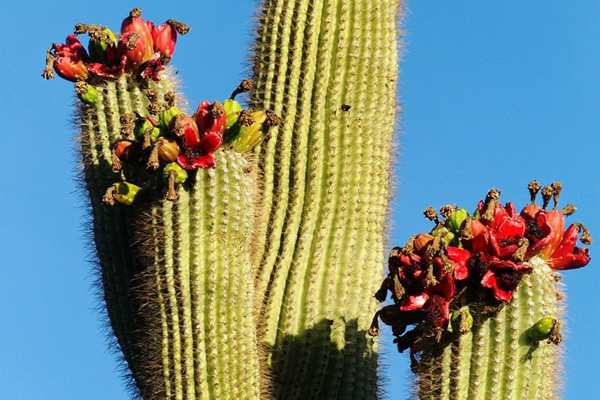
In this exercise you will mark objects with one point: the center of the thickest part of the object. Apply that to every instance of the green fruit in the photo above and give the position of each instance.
(250, 135)
(143, 125)
(100, 41)
(125, 192)
(181, 174)
(87, 93)
(232, 111)
(542, 329)
(167, 117)
(461, 321)
(444, 233)
(456, 219)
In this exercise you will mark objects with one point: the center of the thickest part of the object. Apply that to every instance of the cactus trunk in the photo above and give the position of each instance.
(329, 69)
(175, 274)
(496, 361)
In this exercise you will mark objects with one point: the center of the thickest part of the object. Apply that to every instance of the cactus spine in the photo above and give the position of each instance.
(174, 273)
(495, 360)
(328, 68)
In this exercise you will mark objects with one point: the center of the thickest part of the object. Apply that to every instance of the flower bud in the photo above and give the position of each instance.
(455, 219)
(232, 111)
(122, 192)
(180, 174)
(102, 46)
(167, 117)
(147, 130)
(126, 192)
(87, 93)
(253, 129)
(164, 37)
(175, 175)
(462, 321)
(444, 233)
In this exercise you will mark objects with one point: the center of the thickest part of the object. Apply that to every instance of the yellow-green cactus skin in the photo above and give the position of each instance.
(329, 69)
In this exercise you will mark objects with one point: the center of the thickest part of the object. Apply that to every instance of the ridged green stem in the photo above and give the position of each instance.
(496, 361)
(176, 276)
(328, 68)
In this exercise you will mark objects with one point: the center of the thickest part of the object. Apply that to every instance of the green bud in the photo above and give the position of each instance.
(232, 111)
(143, 125)
(125, 192)
(167, 117)
(543, 329)
(181, 174)
(87, 93)
(99, 42)
(456, 219)
(462, 321)
(248, 132)
(444, 233)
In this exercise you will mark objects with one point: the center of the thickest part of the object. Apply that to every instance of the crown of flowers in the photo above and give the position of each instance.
(166, 138)
(474, 260)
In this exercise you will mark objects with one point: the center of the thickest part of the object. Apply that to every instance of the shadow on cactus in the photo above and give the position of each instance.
(482, 296)
(171, 199)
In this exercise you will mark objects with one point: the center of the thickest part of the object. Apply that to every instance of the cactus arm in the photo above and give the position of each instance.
(495, 361)
(319, 242)
(176, 286)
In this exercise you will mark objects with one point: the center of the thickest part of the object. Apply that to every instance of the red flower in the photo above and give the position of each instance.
(197, 147)
(438, 306)
(135, 42)
(164, 37)
(503, 277)
(70, 59)
(413, 303)
(504, 230)
(211, 118)
(460, 260)
(545, 233)
(568, 256)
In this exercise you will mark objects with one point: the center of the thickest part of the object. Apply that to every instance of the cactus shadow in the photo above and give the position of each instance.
(333, 359)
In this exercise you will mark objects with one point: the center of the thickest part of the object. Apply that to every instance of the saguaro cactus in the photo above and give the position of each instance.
(483, 296)
(171, 198)
(329, 69)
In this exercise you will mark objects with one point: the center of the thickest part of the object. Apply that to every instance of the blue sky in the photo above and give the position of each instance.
(493, 94)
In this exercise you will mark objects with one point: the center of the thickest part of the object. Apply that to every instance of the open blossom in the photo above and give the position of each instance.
(198, 145)
(70, 59)
(503, 277)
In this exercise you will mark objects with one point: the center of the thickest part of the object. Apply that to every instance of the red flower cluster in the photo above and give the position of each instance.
(475, 261)
(141, 48)
(201, 135)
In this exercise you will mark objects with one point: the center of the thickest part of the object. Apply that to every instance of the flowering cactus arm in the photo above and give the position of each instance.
(329, 69)
(478, 301)
(173, 236)
(495, 360)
